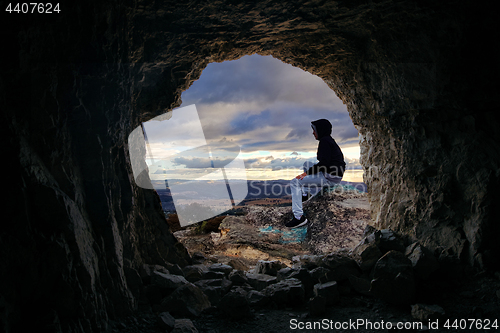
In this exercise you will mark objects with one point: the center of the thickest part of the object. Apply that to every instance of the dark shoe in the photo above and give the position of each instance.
(306, 197)
(294, 223)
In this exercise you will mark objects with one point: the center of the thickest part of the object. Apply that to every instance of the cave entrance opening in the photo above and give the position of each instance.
(265, 107)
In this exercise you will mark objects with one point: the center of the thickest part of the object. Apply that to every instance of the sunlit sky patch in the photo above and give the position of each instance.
(265, 107)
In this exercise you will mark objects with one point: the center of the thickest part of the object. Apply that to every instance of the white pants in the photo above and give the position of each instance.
(309, 184)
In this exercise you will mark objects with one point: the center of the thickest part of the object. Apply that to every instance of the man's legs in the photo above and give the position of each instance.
(311, 180)
(298, 187)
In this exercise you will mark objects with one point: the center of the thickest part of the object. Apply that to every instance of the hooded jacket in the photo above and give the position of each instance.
(329, 155)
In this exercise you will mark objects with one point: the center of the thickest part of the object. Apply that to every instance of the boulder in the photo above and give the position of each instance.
(208, 283)
(146, 271)
(393, 279)
(166, 322)
(320, 274)
(304, 276)
(238, 277)
(341, 267)
(184, 326)
(317, 306)
(212, 275)
(194, 273)
(260, 281)
(187, 300)
(224, 284)
(238, 264)
(235, 304)
(368, 230)
(214, 294)
(167, 282)
(366, 254)
(307, 261)
(284, 273)
(257, 298)
(222, 268)
(424, 312)
(198, 258)
(423, 260)
(268, 267)
(289, 292)
(360, 284)
(173, 268)
(327, 290)
(387, 240)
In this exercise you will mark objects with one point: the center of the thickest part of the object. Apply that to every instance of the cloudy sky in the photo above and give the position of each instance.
(260, 105)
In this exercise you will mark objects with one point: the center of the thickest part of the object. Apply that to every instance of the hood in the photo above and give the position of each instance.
(322, 127)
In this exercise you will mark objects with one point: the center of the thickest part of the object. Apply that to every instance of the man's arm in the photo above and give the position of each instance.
(322, 157)
(301, 176)
(330, 160)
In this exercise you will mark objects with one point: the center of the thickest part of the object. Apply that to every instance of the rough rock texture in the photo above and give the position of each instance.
(424, 312)
(324, 286)
(235, 304)
(393, 279)
(336, 221)
(184, 326)
(187, 300)
(166, 321)
(419, 80)
(328, 290)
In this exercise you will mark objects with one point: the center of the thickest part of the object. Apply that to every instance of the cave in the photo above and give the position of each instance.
(419, 78)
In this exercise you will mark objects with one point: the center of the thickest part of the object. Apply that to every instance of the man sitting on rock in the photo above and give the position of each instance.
(327, 172)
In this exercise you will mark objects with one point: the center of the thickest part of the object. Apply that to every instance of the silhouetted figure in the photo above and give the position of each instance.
(327, 172)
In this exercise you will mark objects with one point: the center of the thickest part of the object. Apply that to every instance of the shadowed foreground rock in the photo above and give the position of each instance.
(319, 285)
(393, 279)
(187, 300)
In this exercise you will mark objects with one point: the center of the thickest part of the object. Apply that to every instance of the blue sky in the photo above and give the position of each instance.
(266, 107)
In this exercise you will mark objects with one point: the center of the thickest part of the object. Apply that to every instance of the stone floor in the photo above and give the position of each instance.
(474, 299)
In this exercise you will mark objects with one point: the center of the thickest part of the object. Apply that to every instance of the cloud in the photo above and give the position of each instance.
(263, 104)
(298, 133)
(245, 122)
(352, 163)
(278, 163)
(193, 162)
(263, 79)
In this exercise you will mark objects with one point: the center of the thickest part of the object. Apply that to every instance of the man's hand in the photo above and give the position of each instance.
(301, 176)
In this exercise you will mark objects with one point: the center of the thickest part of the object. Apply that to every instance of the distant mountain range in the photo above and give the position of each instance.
(257, 189)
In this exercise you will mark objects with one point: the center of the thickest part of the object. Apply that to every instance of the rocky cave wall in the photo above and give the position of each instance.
(417, 76)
